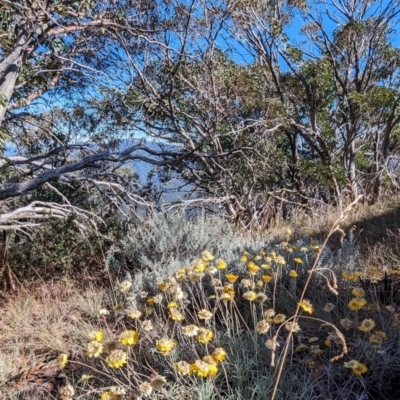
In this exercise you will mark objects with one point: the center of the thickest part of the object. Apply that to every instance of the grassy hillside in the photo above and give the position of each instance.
(195, 309)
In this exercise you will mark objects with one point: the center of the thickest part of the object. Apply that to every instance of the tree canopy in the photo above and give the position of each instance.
(260, 106)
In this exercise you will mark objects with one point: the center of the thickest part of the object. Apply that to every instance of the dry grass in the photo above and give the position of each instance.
(41, 322)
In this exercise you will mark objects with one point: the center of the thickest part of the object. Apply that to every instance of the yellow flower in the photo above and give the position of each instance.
(346, 323)
(207, 256)
(360, 369)
(250, 296)
(125, 286)
(62, 360)
(262, 327)
(272, 344)
(265, 266)
(252, 268)
(109, 395)
(175, 315)
(157, 382)
(273, 254)
(190, 330)
(134, 314)
(351, 276)
(279, 318)
(181, 273)
(292, 326)
(351, 364)
(116, 359)
(129, 337)
(226, 297)
(261, 297)
(381, 334)
(96, 336)
(220, 263)
(266, 278)
(288, 231)
(315, 249)
(163, 286)
(280, 260)
(182, 367)
(200, 368)
(173, 304)
(367, 325)
(232, 278)
(306, 306)
(204, 314)
(293, 274)
(270, 313)
(244, 257)
(199, 265)
(357, 303)
(303, 249)
(219, 354)
(150, 301)
(66, 392)
(204, 335)
(165, 345)
(94, 349)
(213, 369)
(145, 388)
(298, 261)
(147, 325)
(358, 292)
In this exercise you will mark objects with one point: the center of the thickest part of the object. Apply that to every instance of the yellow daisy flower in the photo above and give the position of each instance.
(183, 368)
(360, 369)
(219, 354)
(129, 337)
(125, 286)
(157, 382)
(279, 318)
(357, 303)
(250, 296)
(199, 265)
(116, 359)
(66, 392)
(346, 323)
(367, 325)
(200, 368)
(62, 360)
(232, 278)
(190, 330)
(306, 306)
(96, 336)
(351, 364)
(298, 261)
(165, 345)
(293, 274)
(94, 349)
(204, 335)
(134, 314)
(357, 292)
(204, 314)
(207, 256)
(221, 263)
(266, 278)
(176, 315)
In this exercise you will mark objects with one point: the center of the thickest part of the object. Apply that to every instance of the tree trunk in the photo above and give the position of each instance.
(11, 66)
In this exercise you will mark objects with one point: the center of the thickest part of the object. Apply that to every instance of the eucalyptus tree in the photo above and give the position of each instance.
(337, 80)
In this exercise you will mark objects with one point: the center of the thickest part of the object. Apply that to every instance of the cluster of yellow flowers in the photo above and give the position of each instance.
(208, 277)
